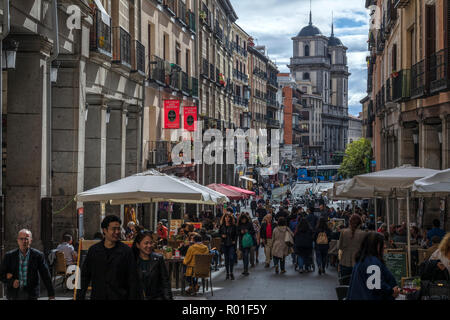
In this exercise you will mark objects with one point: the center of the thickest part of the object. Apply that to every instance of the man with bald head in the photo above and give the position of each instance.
(21, 268)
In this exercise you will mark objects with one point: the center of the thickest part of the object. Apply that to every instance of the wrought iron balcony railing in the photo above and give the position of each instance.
(138, 58)
(100, 35)
(170, 6)
(401, 3)
(191, 20)
(439, 71)
(205, 68)
(158, 70)
(218, 32)
(182, 13)
(401, 85)
(211, 73)
(418, 80)
(122, 47)
(185, 83)
(388, 90)
(193, 87)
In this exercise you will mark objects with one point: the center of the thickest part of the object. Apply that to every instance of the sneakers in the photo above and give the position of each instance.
(231, 276)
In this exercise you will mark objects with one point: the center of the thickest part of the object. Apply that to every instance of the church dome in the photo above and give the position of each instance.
(309, 31)
(333, 41)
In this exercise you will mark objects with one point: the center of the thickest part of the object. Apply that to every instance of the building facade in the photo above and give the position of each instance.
(319, 66)
(354, 129)
(408, 77)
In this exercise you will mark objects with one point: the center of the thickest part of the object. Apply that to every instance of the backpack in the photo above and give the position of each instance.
(322, 238)
(247, 241)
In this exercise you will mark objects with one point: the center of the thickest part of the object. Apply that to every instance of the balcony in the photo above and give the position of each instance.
(170, 6)
(158, 69)
(273, 82)
(159, 152)
(219, 78)
(138, 58)
(206, 16)
(401, 3)
(193, 87)
(388, 91)
(205, 68)
(218, 32)
(185, 83)
(100, 35)
(258, 72)
(191, 20)
(439, 71)
(391, 14)
(211, 73)
(271, 122)
(122, 47)
(311, 60)
(182, 13)
(418, 80)
(380, 40)
(401, 85)
(175, 77)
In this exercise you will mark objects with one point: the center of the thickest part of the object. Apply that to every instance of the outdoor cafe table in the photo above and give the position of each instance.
(176, 265)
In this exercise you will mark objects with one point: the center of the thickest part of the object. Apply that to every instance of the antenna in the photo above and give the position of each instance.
(332, 24)
(310, 13)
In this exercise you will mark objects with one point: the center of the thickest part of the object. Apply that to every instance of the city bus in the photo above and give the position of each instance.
(324, 173)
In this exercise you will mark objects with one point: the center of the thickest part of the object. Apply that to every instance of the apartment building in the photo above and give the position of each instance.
(258, 85)
(408, 77)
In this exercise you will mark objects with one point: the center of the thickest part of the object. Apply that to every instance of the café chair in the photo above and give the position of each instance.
(202, 269)
(217, 243)
(60, 268)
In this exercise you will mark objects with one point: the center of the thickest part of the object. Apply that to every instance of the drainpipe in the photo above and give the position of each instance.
(5, 31)
(46, 175)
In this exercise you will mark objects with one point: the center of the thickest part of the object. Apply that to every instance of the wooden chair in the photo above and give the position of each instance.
(202, 269)
(60, 268)
(217, 243)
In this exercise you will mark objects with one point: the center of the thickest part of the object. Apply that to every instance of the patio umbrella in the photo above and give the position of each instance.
(231, 194)
(433, 185)
(246, 193)
(149, 186)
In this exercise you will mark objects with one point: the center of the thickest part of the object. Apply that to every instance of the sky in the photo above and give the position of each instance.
(274, 22)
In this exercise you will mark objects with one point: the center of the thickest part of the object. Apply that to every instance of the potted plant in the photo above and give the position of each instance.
(167, 252)
(394, 74)
(202, 15)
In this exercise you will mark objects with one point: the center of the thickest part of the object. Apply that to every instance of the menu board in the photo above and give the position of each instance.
(396, 262)
(175, 224)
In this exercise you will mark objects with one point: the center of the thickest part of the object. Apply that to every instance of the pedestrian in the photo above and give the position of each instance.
(348, 245)
(110, 267)
(443, 253)
(152, 271)
(21, 268)
(253, 206)
(311, 218)
(68, 250)
(369, 259)
(246, 239)
(260, 212)
(322, 237)
(281, 249)
(163, 232)
(303, 245)
(189, 261)
(435, 231)
(266, 232)
(228, 233)
(254, 251)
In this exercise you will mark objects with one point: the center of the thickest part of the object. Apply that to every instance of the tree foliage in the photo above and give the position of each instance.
(357, 158)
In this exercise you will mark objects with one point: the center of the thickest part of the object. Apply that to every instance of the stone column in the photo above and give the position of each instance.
(115, 150)
(26, 105)
(133, 134)
(95, 160)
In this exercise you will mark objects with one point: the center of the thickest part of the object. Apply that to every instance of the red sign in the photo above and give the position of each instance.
(190, 118)
(171, 114)
(80, 211)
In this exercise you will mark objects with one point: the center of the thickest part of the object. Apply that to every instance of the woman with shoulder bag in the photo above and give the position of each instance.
(246, 239)
(322, 239)
(282, 239)
(228, 234)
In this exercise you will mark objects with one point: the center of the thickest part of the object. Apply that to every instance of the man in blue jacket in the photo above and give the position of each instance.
(21, 268)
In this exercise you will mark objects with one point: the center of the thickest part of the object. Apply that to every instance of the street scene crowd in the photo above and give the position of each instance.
(295, 231)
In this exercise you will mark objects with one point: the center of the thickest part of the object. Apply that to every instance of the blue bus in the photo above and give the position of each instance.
(324, 173)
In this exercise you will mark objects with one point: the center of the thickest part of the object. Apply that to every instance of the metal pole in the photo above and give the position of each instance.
(408, 234)
(376, 213)
(388, 220)
(398, 214)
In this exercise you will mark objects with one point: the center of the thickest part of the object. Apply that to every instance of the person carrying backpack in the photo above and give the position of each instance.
(247, 239)
(322, 237)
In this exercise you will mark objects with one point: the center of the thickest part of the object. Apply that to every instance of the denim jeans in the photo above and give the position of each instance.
(229, 252)
(215, 259)
(300, 262)
(281, 260)
(245, 257)
(321, 257)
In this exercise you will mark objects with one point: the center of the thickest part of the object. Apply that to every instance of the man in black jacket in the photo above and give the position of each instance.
(110, 267)
(21, 268)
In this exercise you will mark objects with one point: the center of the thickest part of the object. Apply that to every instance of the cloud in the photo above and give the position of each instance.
(274, 22)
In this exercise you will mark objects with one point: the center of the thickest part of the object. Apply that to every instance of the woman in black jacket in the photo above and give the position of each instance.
(303, 244)
(153, 274)
(322, 238)
(245, 226)
(228, 234)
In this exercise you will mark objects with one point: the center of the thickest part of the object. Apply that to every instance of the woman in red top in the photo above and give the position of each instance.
(267, 227)
(162, 232)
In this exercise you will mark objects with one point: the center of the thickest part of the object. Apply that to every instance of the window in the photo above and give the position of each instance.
(394, 58)
(166, 47)
(306, 76)
(188, 60)
(177, 54)
(307, 51)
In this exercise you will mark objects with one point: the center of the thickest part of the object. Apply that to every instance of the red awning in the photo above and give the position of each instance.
(231, 194)
(240, 190)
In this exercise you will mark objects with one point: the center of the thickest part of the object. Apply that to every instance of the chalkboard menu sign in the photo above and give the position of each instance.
(396, 262)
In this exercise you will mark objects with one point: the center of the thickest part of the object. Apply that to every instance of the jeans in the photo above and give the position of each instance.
(216, 255)
(321, 257)
(300, 262)
(345, 273)
(281, 260)
(245, 257)
(229, 252)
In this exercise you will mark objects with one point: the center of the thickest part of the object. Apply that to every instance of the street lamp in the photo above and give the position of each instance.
(9, 54)
(86, 110)
(415, 138)
(108, 114)
(54, 71)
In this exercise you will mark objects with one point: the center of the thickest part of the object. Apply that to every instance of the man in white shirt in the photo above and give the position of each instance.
(66, 247)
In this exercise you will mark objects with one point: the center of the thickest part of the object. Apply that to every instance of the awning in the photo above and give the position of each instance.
(437, 183)
(105, 17)
(231, 194)
(240, 190)
(247, 178)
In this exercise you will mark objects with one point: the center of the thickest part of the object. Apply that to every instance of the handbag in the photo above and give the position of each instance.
(239, 254)
(432, 289)
(288, 239)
